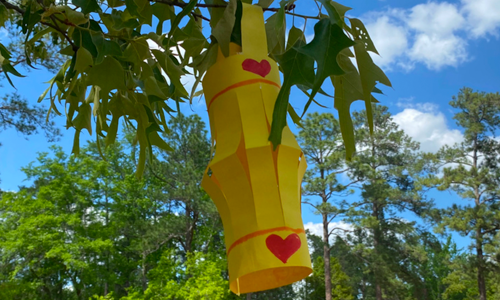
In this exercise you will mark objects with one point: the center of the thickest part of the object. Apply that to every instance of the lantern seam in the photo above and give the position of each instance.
(240, 84)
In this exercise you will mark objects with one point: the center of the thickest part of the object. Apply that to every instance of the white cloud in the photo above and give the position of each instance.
(435, 18)
(317, 228)
(483, 16)
(436, 44)
(437, 52)
(434, 34)
(391, 47)
(428, 127)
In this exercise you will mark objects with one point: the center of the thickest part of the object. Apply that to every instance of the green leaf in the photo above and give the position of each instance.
(224, 28)
(275, 32)
(298, 68)
(76, 143)
(87, 6)
(201, 65)
(83, 60)
(334, 15)
(118, 20)
(329, 40)
(84, 118)
(173, 70)
(156, 140)
(105, 47)
(145, 11)
(361, 35)
(295, 117)
(74, 17)
(40, 34)
(4, 52)
(82, 38)
(196, 41)
(293, 36)
(67, 51)
(29, 19)
(370, 74)
(116, 3)
(175, 23)
(8, 68)
(236, 33)
(163, 13)
(137, 50)
(377, 90)
(71, 71)
(108, 75)
(216, 13)
(150, 84)
(4, 14)
(341, 9)
(347, 90)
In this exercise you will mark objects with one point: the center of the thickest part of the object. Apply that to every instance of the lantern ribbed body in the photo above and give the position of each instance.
(256, 189)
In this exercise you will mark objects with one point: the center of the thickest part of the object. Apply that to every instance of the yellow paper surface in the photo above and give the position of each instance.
(255, 189)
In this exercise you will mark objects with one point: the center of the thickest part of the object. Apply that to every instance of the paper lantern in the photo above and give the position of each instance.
(256, 190)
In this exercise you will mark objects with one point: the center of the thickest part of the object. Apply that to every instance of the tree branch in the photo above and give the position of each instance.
(305, 202)
(54, 26)
(338, 228)
(12, 6)
(204, 5)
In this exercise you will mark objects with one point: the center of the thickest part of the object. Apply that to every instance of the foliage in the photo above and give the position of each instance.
(471, 169)
(320, 137)
(83, 227)
(126, 60)
(199, 278)
(16, 113)
(92, 225)
(314, 288)
(386, 169)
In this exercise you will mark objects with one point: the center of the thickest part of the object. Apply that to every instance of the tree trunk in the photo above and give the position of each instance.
(143, 277)
(378, 292)
(376, 236)
(481, 282)
(326, 259)
(479, 234)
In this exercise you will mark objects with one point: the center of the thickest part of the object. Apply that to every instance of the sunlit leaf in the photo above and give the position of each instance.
(108, 75)
(224, 28)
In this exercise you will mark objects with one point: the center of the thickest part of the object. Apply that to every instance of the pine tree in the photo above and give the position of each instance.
(386, 165)
(320, 140)
(472, 170)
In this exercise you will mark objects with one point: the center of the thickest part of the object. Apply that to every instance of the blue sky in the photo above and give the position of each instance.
(429, 50)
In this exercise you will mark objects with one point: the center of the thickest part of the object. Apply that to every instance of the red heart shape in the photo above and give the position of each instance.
(283, 248)
(261, 68)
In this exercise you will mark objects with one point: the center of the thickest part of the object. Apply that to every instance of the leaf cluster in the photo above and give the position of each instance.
(129, 60)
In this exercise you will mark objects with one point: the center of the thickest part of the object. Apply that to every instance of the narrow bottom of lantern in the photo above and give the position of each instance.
(268, 279)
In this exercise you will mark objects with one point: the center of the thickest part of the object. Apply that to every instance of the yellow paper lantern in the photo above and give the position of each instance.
(256, 190)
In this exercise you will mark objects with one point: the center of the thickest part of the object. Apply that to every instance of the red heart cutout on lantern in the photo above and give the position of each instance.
(261, 68)
(283, 248)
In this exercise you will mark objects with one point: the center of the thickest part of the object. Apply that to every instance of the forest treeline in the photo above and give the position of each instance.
(85, 227)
